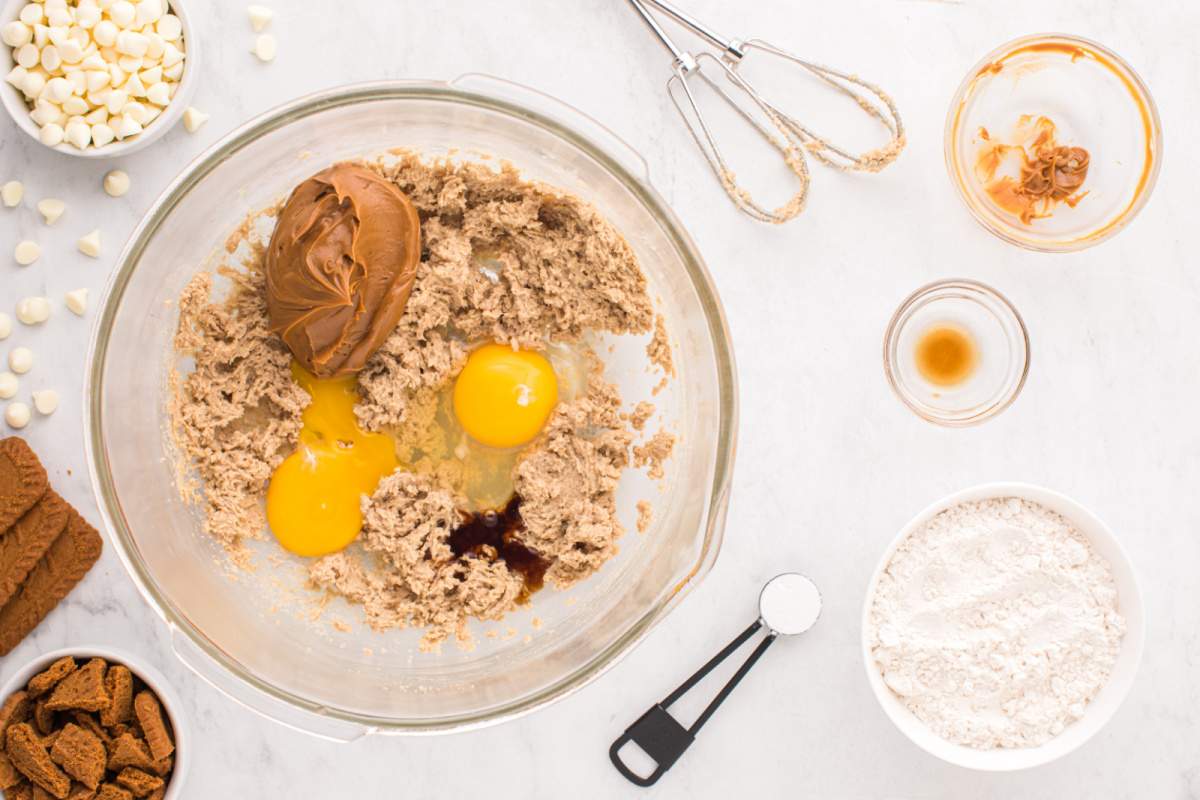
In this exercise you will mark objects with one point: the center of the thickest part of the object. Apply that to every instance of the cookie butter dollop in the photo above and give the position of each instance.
(340, 266)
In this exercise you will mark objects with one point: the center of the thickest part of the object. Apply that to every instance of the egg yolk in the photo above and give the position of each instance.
(313, 497)
(503, 397)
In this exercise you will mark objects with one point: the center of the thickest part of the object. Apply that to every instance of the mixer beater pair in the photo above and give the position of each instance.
(781, 130)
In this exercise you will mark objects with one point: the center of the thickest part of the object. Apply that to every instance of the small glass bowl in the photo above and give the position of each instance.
(1000, 339)
(1096, 101)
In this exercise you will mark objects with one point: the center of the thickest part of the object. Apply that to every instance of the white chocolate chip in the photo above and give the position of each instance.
(34, 82)
(52, 134)
(132, 43)
(90, 245)
(17, 34)
(20, 360)
(45, 401)
(79, 134)
(75, 107)
(87, 15)
(51, 209)
(26, 252)
(59, 89)
(116, 101)
(159, 93)
(260, 17)
(17, 415)
(32, 14)
(105, 33)
(71, 52)
(116, 183)
(9, 385)
(169, 27)
(58, 17)
(33, 310)
(11, 193)
(135, 111)
(265, 47)
(193, 118)
(5, 325)
(76, 301)
(50, 59)
(102, 134)
(122, 13)
(127, 126)
(148, 12)
(27, 55)
(16, 77)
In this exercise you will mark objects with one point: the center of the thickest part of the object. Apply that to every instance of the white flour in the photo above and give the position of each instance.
(996, 623)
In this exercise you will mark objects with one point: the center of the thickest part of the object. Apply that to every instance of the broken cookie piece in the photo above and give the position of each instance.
(119, 683)
(25, 751)
(111, 791)
(149, 716)
(50, 677)
(15, 708)
(139, 784)
(82, 689)
(80, 754)
(129, 751)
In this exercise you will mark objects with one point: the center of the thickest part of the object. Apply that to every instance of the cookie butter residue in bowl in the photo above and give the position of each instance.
(1033, 172)
(514, 280)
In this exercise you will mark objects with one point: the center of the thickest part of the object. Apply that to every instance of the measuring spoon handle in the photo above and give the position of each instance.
(660, 735)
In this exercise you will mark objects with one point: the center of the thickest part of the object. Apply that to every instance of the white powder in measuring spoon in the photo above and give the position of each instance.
(996, 623)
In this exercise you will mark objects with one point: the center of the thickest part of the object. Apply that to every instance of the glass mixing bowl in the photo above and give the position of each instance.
(235, 629)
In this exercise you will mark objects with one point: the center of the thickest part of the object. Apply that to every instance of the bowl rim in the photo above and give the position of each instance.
(446, 91)
(1114, 692)
(1008, 233)
(14, 101)
(149, 674)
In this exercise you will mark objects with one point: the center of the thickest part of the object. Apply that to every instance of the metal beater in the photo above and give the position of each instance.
(784, 133)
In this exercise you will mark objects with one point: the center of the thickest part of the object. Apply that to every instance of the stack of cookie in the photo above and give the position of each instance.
(46, 547)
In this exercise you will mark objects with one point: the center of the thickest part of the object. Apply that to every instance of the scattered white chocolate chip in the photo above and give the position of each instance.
(8, 385)
(33, 310)
(90, 245)
(45, 401)
(265, 47)
(5, 326)
(260, 17)
(76, 301)
(17, 415)
(20, 360)
(116, 183)
(26, 252)
(193, 118)
(11, 193)
(51, 209)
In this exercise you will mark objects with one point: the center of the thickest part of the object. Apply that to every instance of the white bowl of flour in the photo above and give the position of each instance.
(1003, 627)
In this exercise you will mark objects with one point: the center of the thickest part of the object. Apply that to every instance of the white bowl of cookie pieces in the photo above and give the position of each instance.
(16, 106)
(1102, 707)
(154, 679)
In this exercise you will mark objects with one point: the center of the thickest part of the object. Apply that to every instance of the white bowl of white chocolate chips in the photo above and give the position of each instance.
(96, 78)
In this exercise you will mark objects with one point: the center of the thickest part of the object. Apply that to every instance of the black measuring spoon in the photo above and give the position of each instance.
(788, 604)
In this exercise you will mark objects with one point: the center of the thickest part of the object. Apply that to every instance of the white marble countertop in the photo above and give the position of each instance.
(830, 464)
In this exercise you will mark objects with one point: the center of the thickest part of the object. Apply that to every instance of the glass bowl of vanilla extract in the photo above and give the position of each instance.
(956, 352)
